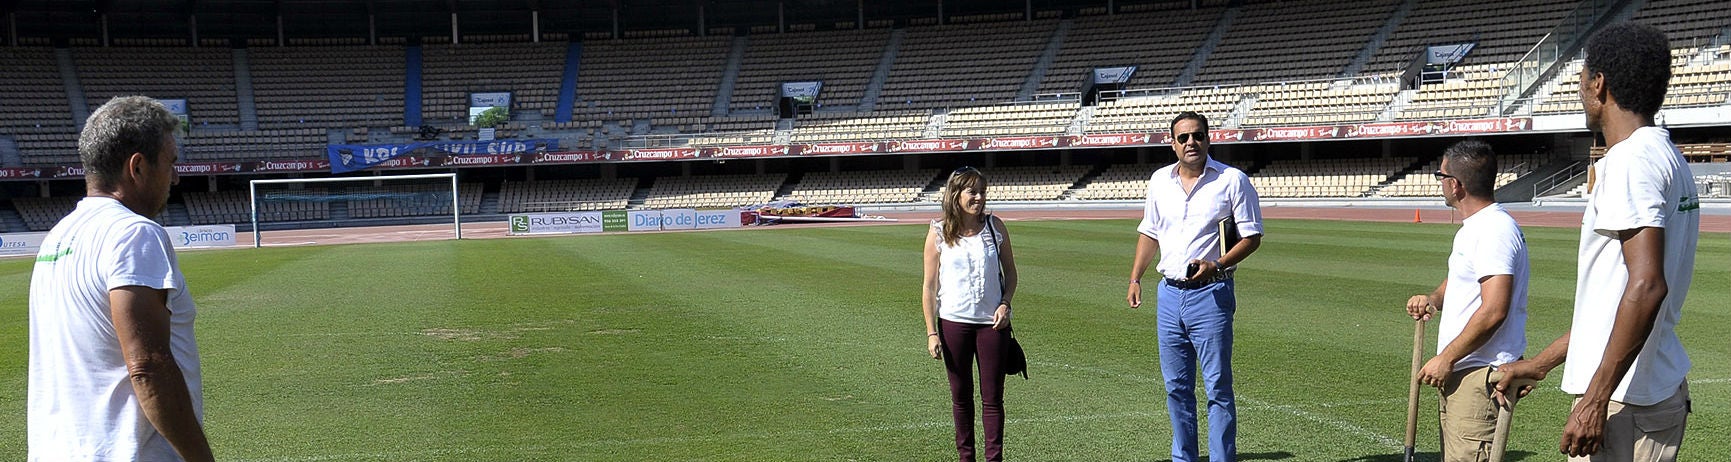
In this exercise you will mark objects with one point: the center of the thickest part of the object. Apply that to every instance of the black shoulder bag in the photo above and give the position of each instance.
(1014, 360)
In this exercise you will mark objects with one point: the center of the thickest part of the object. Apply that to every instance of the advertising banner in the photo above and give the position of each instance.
(21, 243)
(480, 160)
(291, 165)
(15, 173)
(643, 220)
(1020, 142)
(352, 157)
(729, 152)
(571, 157)
(1455, 127)
(661, 154)
(1296, 133)
(1389, 129)
(678, 219)
(1114, 139)
(208, 168)
(825, 149)
(202, 236)
(1447, 54)
(715, 219)
(800, 89)
(614, 220)
(562, 222)
(928, 146)
(1113, 75)
(499, 99)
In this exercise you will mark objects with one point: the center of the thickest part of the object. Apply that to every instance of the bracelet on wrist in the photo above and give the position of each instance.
(931, 334)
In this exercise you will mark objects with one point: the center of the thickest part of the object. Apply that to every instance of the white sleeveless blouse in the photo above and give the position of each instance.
(969, 283)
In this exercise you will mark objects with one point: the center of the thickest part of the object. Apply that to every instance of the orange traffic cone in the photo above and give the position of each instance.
(1415, 216)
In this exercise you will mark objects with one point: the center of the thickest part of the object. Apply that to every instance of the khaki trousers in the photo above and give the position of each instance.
(1468, 415)
(1643, 433)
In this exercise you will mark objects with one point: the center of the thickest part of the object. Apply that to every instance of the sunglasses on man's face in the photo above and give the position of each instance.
(1184, 138)
(1440, 175)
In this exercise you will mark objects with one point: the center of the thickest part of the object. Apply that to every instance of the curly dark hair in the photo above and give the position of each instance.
(1636, 62)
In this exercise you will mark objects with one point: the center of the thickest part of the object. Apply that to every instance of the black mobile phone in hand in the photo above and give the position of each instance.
(1192, 271)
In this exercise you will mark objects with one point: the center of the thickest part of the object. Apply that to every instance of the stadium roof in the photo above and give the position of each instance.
(413, 18)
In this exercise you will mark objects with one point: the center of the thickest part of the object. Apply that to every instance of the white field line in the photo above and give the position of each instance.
(1343, 425)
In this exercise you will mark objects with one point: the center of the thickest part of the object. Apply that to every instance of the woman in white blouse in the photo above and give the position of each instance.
(970, 277)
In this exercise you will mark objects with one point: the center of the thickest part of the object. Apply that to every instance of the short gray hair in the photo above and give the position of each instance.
(122, 126)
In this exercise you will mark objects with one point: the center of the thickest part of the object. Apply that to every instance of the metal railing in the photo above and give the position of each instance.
(1561, 40)
(1566, 174)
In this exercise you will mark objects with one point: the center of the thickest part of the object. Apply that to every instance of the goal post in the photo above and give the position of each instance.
(255, 200)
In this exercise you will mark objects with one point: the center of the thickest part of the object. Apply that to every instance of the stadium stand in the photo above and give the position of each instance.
(1041, 183)
(1503, 31)
(1159, 53)
(1325, 177)
(1119, 182)
(230, 207)
(328, 87)
(412, 200)
(1011, 119)
(236, 145)
(40, 213)
(222, 207)
(1293, 40)
(862, 187)
(672, 77)
(1423, 183)
(716, 191)
(565, 195)
(1154, 111)
(847, 126)
(36, 112)
(204, 77)
(1475, 94)
(930, 69)
(529, 71)
(1319, 102)
(842, 60)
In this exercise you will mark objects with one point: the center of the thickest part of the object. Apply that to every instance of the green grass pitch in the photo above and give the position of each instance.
(806, 344)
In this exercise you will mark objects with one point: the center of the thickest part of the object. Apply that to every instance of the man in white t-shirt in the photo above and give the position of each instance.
(1627, 367)
(1483, 301)
(114, 372)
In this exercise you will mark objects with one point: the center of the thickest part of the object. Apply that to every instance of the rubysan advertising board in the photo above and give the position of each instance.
(558, 222)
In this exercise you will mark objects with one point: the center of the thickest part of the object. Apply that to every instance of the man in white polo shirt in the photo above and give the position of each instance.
(114, 372)
(1627, 367)
(1483, 301)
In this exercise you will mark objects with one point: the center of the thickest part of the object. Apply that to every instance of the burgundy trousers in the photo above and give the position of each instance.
(963, 343)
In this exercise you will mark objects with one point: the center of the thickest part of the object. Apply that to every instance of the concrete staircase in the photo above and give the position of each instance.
(243, 90)
(724, 95)
(1207, 48)
(876, 87)
(1377, 39)
(1032, 83)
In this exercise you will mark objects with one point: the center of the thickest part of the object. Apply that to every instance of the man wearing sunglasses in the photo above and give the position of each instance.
(1190, 205)
(1482, 301)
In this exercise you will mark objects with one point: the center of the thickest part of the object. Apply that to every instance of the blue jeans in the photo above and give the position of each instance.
(1196, 326)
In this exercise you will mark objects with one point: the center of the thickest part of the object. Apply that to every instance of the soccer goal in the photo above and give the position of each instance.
(393, 198)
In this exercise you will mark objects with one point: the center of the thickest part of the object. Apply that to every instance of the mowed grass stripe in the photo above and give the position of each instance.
(804, 344)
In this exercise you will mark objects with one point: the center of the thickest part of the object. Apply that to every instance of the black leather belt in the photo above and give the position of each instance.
(1222, 275)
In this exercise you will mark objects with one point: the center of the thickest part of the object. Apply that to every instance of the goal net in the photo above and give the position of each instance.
(430, 199)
